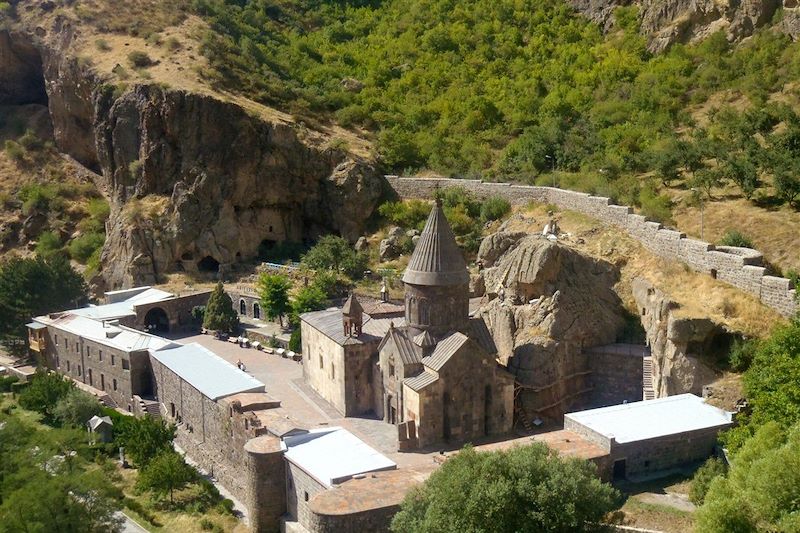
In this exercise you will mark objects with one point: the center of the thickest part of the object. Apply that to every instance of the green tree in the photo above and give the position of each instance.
(166, 473)
(273, 289)
(761, 491)
(702, 479)
(335, 253)
(494, 208)
(44, 392)
(76, 408)
(527, 488)
(144, 438)
(219, 314)
(307, 299)
(33, 287)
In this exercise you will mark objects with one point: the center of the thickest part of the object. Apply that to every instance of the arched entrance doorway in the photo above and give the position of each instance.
(242, 307)
(256, 311)
(156, 321)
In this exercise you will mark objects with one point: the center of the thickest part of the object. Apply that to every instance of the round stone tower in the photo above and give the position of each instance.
(436, 280)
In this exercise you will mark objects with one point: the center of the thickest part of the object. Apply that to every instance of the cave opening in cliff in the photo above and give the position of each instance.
(22, 74)
(208, 264)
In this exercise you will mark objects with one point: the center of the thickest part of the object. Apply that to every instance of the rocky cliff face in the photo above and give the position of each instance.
(666, 22)
(546, 304)
(681, 347)
(194, 182)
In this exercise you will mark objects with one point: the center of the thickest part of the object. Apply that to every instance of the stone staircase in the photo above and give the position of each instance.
(647, 379)
(523, 418)
(149, 407)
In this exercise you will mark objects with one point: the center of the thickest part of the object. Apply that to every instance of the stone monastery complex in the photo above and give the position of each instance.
(382, 395)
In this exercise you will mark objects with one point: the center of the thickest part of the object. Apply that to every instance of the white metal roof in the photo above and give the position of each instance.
(332, 455)
(207, 372)
(124, 307)
(121, 337)
(650, 419)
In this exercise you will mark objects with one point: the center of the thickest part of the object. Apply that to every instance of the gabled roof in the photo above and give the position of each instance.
(425, 340)
(408, 352)
(417, 383)
(207, 372)
(121, 337)
(97, 421)
(437, 259)
(444, 350)
(480, 333)
(329, 323)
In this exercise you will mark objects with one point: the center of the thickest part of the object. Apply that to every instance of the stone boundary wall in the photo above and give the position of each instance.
(739, 267)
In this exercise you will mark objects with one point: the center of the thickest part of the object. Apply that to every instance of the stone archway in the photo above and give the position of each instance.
(156, 320)
(242, 307)
(256, 311)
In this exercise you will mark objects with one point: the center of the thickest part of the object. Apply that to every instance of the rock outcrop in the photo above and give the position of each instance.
(681, 347)
(194, 182)
(546, 303)
(666, 22)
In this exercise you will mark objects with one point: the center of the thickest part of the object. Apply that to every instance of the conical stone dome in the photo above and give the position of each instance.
(437, 260)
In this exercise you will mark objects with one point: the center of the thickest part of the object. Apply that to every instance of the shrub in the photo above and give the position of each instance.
(657, 207)
(173, 44)
(31, 142)
(44, 391)
(6, 382)
(494, 208)
(702, 479)
(139, 59)
(295, 341)
(81, 248)
(36, 197)
(102, 45)
(742, 353)
(49, 244)
(408, 213)
(735, 238)
(15, 151)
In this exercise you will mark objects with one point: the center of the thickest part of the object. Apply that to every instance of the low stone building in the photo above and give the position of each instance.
(652, 435)
(431, 372)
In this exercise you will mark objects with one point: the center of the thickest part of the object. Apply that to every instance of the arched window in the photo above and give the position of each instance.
(256, 311)
(242, 307)
(424, 311)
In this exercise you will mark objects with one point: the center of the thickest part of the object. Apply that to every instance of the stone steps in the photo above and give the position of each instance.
(647, 379)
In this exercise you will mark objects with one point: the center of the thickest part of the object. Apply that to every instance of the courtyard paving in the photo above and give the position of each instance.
(283, 379)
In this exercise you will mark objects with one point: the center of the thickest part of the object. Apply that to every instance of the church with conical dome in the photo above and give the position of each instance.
(429, 368)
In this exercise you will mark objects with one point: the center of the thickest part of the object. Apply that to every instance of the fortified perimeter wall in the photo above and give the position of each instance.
(741, 267)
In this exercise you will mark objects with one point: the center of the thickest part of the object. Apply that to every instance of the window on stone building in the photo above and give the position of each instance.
(56, 340)
(102, 383)
(320, 361)
(68, 369)
(391, 370)
(77, 347)
(100, 355)
(125, 364)
(58, 362)
(305, 495)
(172, 410)
(113, 359)
(79, 370)
(114, 384)
(66, 344)
(333, 371)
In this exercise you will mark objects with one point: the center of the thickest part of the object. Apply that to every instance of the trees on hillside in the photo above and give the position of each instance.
(44, 392)
(761, 491)
(219, 314)
(76, 408)
(144, 438)
(527, 488)
(32, 287)
(336, 254)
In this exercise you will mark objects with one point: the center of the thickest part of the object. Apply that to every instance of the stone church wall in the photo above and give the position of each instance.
(740, 267)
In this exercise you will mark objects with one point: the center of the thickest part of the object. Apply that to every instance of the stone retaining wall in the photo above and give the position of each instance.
(742, 268)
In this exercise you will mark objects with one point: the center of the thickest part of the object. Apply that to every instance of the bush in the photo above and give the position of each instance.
(15, 151)
(735, 238)
(76, 408)
(742, 353)
(49, 244)
(173, 44)
(407, 214)
(657, 207)
(494, 208)
(6, 383)
(102, 45)
(139, 59)
(43, 393)
(31, 142)
(81, 248)
(702, 479)
(295, 341)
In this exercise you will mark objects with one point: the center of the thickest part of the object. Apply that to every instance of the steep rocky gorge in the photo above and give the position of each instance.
(666, 22)
(193, 181)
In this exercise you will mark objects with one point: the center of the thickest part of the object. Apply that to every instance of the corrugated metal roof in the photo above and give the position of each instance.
(481, 334)
(333, 455)
(122, 308)
(444, 351)
(649, 419)
(421, 381)
(437, 259)
(121, 337)
(35, 325)
(207, 372)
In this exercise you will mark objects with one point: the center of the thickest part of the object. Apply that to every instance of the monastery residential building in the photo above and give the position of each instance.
(432, 372)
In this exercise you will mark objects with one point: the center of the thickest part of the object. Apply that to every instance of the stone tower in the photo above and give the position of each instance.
(352, 316)
(436, 280)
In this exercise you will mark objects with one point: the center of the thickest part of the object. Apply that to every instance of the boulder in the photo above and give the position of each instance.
(362, 245)
(388, 249)
(395, 232)
(33, 226)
